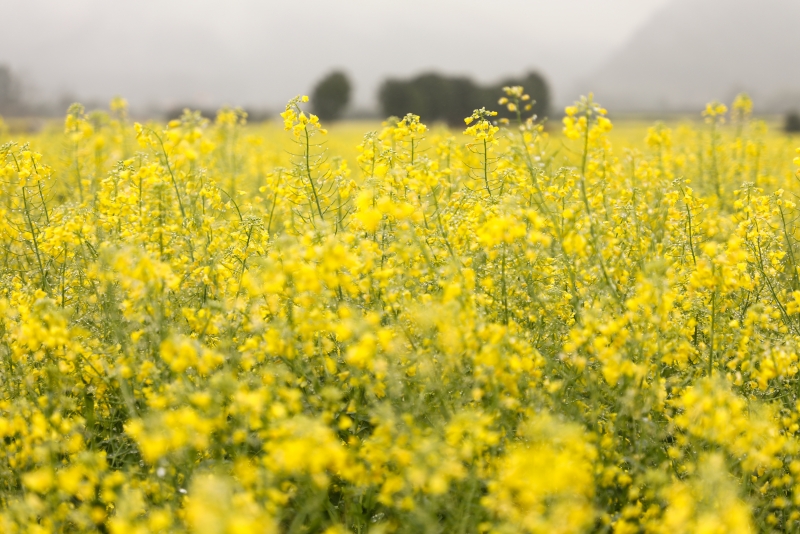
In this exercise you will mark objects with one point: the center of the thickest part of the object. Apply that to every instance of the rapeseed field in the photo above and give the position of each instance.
(213, 327)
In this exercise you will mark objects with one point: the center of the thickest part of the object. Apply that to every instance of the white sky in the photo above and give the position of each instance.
(260, 53)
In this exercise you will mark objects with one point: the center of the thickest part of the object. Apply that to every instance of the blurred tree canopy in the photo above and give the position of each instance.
(792, 124)
(331, 96)
(435, 97)
(10, 91)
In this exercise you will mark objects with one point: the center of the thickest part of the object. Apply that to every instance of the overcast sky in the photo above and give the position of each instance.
(260, 53)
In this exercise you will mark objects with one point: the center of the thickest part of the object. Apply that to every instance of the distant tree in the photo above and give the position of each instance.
(792, 124)
(536, 86)
(331, 96)
(466, 97)
(9, 91)
(449, 99)
(399, 97)
(435, 92)
(435, 98)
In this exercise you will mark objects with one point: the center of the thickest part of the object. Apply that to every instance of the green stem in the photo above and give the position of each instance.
(503, 286)
(308, 173)
(171, 174)
(486, 167)
(711, 336)
(35, 240)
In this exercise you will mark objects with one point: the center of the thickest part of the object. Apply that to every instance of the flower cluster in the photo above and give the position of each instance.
(218, 327)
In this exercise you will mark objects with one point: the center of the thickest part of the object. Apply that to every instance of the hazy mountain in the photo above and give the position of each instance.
(695, 51)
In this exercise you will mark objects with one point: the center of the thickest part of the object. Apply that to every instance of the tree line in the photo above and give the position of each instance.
(10, 92)
(438, 98)
(434, 97)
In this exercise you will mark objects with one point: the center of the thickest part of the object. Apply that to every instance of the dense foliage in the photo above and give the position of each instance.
(498, 331)
(792, 123)
(331, 96)
(10, 101)
(438, 98)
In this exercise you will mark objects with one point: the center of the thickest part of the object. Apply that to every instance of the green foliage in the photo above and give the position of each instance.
(792, 124)
(436, 97)
(9, 91)
(331, 96)
(535, 85)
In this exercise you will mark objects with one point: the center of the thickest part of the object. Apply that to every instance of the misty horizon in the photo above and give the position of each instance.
(258, 55)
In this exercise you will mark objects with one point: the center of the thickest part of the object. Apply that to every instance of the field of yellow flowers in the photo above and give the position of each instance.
(224, 328)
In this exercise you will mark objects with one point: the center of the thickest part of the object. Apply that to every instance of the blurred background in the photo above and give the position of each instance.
(371, 58)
